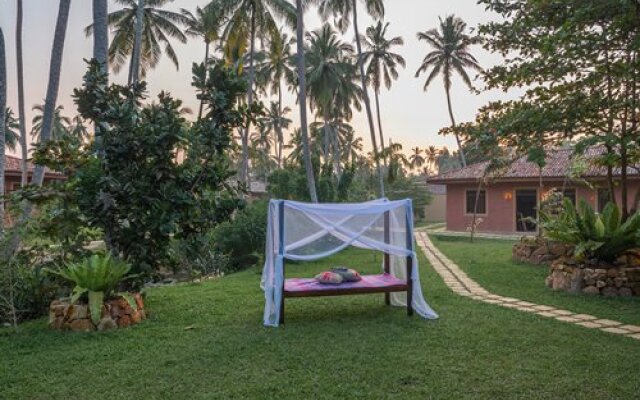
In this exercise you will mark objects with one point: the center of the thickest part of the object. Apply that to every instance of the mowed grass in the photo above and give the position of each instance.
(489, 263)
(207, 342)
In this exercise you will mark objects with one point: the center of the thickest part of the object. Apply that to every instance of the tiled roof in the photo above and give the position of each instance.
(558, 163)
(12, 163)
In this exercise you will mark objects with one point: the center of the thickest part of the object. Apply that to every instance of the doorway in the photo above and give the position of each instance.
(526, 210)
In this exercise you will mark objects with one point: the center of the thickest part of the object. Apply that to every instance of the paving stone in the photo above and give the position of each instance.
(525, 304)
(588, 324)
(584, 317)
(510, 299)
(544, 308)
(546, 314)
(563, 312)
(509, 305)
(526, 309)
(492, 301)
(631, 328)
(616, 330)
(635, 336)
(567, 319)
(607, 322)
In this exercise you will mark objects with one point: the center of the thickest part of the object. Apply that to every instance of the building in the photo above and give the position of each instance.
(13, 173)
(509, 200)
(436, 210)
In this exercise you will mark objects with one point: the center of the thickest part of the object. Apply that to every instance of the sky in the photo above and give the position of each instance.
(410, 116)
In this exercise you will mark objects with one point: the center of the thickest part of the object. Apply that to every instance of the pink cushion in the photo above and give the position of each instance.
(368, 281)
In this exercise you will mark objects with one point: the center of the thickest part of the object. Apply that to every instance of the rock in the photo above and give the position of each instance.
(136, 317)
(621, 260)
(619, 281)
(76, 311)
(625, 292)
(82, 325)
(58, 309)
(591, 290)
(613, 273)
(635, 287)
(139, 302)
(560, 280)
(557, 249)
(57, 323)
(633, 274)
(124, 321)
(107, 323)
(143, 314)
(633, 260)
(169, 281)
(600, 284)
(548, 282)
(609, 291)
(577, 282)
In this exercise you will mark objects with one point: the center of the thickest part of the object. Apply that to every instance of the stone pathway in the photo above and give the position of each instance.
(462, 285)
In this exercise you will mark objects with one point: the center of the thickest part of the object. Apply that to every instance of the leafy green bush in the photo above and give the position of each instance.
(197, 256)
(243, 238)
(603, 237)
(96, 276)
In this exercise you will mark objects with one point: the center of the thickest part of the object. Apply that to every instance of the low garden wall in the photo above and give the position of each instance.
(539, 251)
(116, 313)
(621, 278)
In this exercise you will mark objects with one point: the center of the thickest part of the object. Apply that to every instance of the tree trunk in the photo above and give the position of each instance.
(244, 171)
(21, 112)
(3, 109)
(54, 81)
(384, 159)
(463, 159)
(134, 76)
(327, 136)
(100, 33)
(475, 209)
(365, 96)
(206, 61)
(302, 102)
(280, 144)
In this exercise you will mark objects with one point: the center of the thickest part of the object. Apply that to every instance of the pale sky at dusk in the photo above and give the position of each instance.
(410, 116)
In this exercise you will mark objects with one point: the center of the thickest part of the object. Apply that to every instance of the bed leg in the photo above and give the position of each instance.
(409, 298)
(282, 311)
(387, 299)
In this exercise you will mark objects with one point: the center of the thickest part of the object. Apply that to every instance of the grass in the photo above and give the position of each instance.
(489, 263)
(207, 342)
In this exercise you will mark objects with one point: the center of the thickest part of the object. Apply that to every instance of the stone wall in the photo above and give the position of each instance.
(619, 279)
(539, 251)
(116, 313)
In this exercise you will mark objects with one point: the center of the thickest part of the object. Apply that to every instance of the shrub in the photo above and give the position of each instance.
(603, 237)
(197, 256)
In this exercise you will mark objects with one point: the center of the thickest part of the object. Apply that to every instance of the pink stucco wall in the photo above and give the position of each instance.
(501, 203)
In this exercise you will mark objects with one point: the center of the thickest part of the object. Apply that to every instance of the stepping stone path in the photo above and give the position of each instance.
(462, 285)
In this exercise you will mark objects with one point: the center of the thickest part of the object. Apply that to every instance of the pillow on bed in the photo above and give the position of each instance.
(329, 277)
(348, 274)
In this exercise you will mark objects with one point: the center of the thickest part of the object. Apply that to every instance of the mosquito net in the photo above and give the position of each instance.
(305, 232)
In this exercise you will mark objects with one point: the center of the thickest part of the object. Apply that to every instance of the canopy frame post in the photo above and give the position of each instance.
(409, 236)
(281, 255)
(387, 263)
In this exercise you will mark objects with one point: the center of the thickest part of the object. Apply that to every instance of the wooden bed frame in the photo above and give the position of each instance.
(337, 291)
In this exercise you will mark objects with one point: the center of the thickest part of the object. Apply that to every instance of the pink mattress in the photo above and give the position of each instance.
(299, 285)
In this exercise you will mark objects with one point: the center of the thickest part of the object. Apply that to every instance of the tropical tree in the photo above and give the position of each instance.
(431, 157)
(101, 33)
(247, 20)
(205, 24)
(274, 122)
(381, 63)
(143, 21)
(343, 11)
(55, 67)
(450, 55)
(416, 160)
(21, 111)
(60, 125)
(302, 101)
(3, 104)
(11, 129)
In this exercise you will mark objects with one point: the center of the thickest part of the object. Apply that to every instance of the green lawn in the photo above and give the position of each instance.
(207, 342)
(488, 262)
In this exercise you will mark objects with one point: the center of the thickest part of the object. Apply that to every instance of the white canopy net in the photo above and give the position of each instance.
(305, 231)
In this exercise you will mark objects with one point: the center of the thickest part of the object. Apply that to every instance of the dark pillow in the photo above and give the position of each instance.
(329, 277)
(348, 274)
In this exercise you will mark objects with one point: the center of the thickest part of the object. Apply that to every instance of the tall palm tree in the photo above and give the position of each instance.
(343, 11)
(416, 160)
(60, 125)
(11, 130)
(450, 55)
(381, 63)
(101, 33)
(3, 105)
(21, 112)
(247, 20)
(274, 122)
(205, 24)
(157, 28)
(431, 157)
(302, 101)
(54, 83)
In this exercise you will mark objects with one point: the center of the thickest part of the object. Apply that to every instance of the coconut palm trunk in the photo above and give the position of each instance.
(384, 159)
(365, 96)
(134, 71)
(3, 109)
(54, 81)
(463, 159)
(100, 33)
(206, 61)
(21, 112)
(302, 101)
(278, 128)
(244, 170)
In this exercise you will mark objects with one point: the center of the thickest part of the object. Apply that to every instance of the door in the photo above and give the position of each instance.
(526, 210)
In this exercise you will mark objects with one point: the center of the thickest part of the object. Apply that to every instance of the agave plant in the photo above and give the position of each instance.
(97, 276)
(601, 236)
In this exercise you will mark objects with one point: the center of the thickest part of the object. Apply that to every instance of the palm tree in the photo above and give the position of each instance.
(450, 55)
(302, 101)
(274, 122)
(248, 19)
(3, 104)
(11, 130)
(101, 33)
(205, 24)
(155, 29)
(416, 160)
(431, 158)
(343, 10)
(53, 86)
(60, 126)
(381, 62)
(21, 112)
